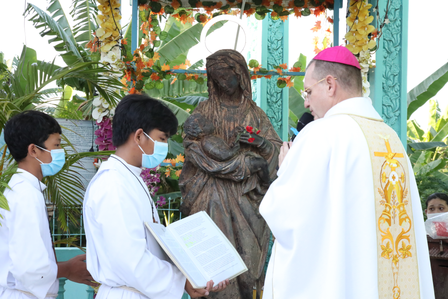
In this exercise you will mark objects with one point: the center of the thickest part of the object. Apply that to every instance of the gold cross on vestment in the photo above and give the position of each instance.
(389, 154)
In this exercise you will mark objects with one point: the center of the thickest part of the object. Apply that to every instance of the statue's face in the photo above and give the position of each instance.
(226, 80)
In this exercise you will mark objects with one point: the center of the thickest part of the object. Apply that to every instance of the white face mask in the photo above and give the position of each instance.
(434, 215)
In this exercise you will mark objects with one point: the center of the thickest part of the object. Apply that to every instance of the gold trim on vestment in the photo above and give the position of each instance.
(398, 275)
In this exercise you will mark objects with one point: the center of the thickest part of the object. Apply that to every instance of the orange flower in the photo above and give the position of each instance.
(156, 56)
(168, 172)
(253, 77)
(289, 83)
(268, 76)
(153, 36)
(180, 158)
(165, 67)
(266, 3)
(175, 4)
(294, 69)
(374, 34)
(319, 10)
(328, 30)
(190, 20)
(316, 50)
(196, 76)
(284, 18)
(316, 27)
(256, 69)
(174, 80)
(218, 5)
(329, 19)
(178, 172)
(297, 12)
(132, 91)
(249, 12)
(150, 63)
(155, 77)
(203, 18)
(291, 3)
(274, 14)
(124, 41)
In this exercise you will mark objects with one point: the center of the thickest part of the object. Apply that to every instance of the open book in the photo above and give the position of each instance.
(199, 249)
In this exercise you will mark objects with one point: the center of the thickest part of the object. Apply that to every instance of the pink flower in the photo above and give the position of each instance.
(161, 202)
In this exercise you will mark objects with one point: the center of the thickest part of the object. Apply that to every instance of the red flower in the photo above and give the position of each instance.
(249, 129)
(251, 139)
(258, 132)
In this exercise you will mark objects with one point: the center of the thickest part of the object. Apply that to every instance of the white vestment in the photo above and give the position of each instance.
(120, 251)
(27, 260)
(321, 211)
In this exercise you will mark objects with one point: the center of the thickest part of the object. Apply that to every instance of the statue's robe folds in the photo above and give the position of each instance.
(321, 210)
(229, 193)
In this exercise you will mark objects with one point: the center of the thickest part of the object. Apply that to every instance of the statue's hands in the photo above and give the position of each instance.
(256, 141)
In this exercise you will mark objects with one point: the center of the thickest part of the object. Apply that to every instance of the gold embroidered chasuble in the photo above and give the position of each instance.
(398, 275)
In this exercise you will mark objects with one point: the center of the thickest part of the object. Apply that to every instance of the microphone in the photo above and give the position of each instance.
(305, 119)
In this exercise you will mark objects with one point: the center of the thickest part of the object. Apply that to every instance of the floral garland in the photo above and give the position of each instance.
(108, 41)
(361, 38)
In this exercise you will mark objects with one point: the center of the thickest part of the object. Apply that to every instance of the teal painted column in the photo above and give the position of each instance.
(389, 79)
(274, 48)
(61, 290)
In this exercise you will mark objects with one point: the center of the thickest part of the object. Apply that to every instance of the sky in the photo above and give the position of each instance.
(427, 48)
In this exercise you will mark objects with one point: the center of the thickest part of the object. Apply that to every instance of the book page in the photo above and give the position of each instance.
(212, 252)
(177, 254)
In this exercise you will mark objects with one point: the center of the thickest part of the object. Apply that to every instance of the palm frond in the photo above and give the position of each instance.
(84, 12)
(62, 42)
(58, 14)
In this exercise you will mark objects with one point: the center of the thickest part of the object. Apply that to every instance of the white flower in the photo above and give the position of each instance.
(98, 113)
(112, 111)
(97, 164)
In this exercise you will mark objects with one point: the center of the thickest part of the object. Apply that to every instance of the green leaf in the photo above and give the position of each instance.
(181, 43)
(84, 13)
(296, 102)
(180, 113)
(298, 80)
(426, 169)
(428, 88)
(64, 42)
(414, 130)
(422, 146)
(441, 134)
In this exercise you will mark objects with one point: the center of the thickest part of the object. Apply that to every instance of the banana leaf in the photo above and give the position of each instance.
(428, 88)
(184, 41)
(422, 146)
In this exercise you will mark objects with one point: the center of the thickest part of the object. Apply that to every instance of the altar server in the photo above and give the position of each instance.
(28, 267)
(345, 209)
(121, 254)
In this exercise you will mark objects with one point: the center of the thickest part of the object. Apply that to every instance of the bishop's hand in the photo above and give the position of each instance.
(252, 139)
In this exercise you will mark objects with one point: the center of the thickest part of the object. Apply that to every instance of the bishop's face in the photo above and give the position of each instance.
(226, 80)
(316, 97)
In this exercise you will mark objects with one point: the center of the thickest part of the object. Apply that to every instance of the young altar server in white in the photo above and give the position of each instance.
(121, 254)
(345, 210)
(28, 267)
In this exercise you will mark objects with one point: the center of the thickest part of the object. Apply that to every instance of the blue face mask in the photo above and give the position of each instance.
(157, 157)
(56, 164)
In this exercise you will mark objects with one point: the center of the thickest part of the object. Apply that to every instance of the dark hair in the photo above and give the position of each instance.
(140, 111)
(349, 77)
(441, 196)
(28, 127)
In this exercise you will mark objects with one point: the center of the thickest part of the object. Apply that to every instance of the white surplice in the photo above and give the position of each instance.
(27, 260)
(120, 251)
(321, 211)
